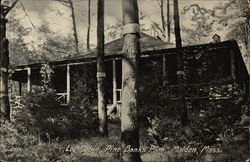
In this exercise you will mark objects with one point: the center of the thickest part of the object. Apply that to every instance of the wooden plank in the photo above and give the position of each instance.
(29, 84)
(25, 68)
(87, 62)
(68, 83)
(114, 83)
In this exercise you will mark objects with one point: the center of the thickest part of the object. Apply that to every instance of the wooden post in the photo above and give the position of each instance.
(233, 71)
(164, 71)
(68, 83)
(29, 79)
(114, 83)
(20, 88)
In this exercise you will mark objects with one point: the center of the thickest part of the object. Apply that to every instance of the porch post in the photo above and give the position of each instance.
(164, 71)
(233, 71)
(29, 79)
(20, 88)
(114, 83)
(68, 83)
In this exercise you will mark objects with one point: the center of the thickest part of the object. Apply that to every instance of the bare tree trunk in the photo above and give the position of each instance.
(4, 63)
(74, 26)
(101, 74)
(163, 18)
(180, 67)
(248, 51)
(168, 21)
(89, 23)
(129, 109)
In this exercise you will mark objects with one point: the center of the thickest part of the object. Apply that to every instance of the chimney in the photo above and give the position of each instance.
(216, 38)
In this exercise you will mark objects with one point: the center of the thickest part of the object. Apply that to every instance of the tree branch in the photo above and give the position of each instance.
(159, 3)
(27, 15)
(10, 8)
(158, 27)
(64, 2)
(224, 8)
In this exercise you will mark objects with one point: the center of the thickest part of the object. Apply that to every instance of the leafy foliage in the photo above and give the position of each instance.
(39, 113)
(46, 72)
(13, 138)
(231, 17)
(83, 89)
(42, 115)
(19, 51)
(215, 121)
(201, 24)
(53, 46)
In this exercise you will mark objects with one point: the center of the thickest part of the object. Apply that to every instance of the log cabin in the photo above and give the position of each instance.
(204, 65)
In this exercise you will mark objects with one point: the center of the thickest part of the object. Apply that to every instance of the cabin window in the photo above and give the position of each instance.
(60, 79)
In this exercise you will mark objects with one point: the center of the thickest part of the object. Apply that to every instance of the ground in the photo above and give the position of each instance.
(22, 148)
(91, 149)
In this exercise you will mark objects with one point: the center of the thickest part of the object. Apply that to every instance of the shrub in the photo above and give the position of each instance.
(39, 114)
(42, 115)
(83, 102)
(215, 121)
(13, 139)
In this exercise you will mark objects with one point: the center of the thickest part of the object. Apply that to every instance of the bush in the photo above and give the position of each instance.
(42, 115)
(13, 139)
(214, 122)
(83, 103)
(39, 113)
(161, 117)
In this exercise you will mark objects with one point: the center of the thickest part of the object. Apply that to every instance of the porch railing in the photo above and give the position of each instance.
(193, 91)
(62, 98)
(197, 91)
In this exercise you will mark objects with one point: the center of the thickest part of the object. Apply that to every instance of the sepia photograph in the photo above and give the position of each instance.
(124, 80)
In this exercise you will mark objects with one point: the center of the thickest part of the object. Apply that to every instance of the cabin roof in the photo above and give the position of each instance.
(113, 48)
(147, 43)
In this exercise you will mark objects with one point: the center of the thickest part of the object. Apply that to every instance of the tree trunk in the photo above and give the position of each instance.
(101, 74)
(168, 21)
(74, 26)
(4, 63)
(129, 109)
(163, 19)
(248, 52)
(89, 23)
(180, 67)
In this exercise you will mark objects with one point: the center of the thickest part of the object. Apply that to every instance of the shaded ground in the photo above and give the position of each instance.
(94, 149)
